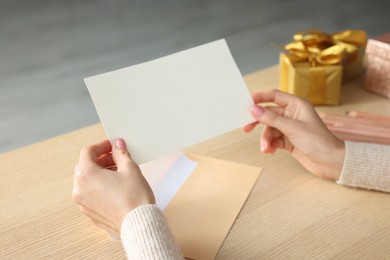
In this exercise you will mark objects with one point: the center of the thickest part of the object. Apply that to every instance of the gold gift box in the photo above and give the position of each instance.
(354, 44)
(316, 64)
(320, 85)
(353, 69)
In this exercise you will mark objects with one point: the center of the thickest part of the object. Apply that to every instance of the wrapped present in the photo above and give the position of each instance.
(318, 84)
(354, 43)
(316, 63)
(377, 77)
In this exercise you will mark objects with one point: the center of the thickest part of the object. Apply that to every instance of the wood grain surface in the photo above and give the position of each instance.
(289, 214)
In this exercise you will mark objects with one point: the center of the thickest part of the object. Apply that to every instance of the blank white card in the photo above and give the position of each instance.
(172, 102)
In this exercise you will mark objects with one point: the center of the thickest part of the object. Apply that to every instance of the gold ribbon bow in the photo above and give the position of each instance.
(319, 48)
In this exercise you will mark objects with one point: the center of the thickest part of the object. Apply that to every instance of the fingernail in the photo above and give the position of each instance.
(120, 143)
(257, 110)
(262, 147)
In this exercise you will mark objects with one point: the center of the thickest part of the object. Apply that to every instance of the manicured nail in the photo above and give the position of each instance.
(257, 110)
(120, 143)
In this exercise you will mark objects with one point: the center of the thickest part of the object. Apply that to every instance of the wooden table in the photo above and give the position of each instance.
(290, 214)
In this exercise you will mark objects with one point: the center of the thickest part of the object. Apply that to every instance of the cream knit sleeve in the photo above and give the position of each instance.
(145, 235)
(366, 166)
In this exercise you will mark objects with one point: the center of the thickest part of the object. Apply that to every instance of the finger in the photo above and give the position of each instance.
(248, 128)
(275, 96)
(121, 155)
(270, 118)
(276, 109)
(93, 152)
(106, 160)
(112, 168)
(267, 137)
(277, 143)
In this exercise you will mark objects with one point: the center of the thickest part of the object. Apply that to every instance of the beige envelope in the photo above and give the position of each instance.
(206, 206)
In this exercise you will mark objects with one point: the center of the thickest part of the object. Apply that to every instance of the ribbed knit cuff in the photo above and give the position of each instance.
(145, 235)
(366, 166)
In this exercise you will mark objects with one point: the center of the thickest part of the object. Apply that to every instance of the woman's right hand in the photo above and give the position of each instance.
(108, 184)
(293, 125)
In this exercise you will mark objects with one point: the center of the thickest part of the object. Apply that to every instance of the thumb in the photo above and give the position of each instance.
(272, 119)
(120, 154)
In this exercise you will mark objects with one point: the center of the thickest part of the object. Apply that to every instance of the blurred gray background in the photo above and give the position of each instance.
(47, 47)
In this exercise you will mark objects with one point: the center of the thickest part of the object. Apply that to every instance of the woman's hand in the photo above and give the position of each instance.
(108, 184)
(293, 125)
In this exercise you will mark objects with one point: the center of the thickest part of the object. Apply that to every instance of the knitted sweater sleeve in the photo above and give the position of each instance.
(366, 166)
(145, 235)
